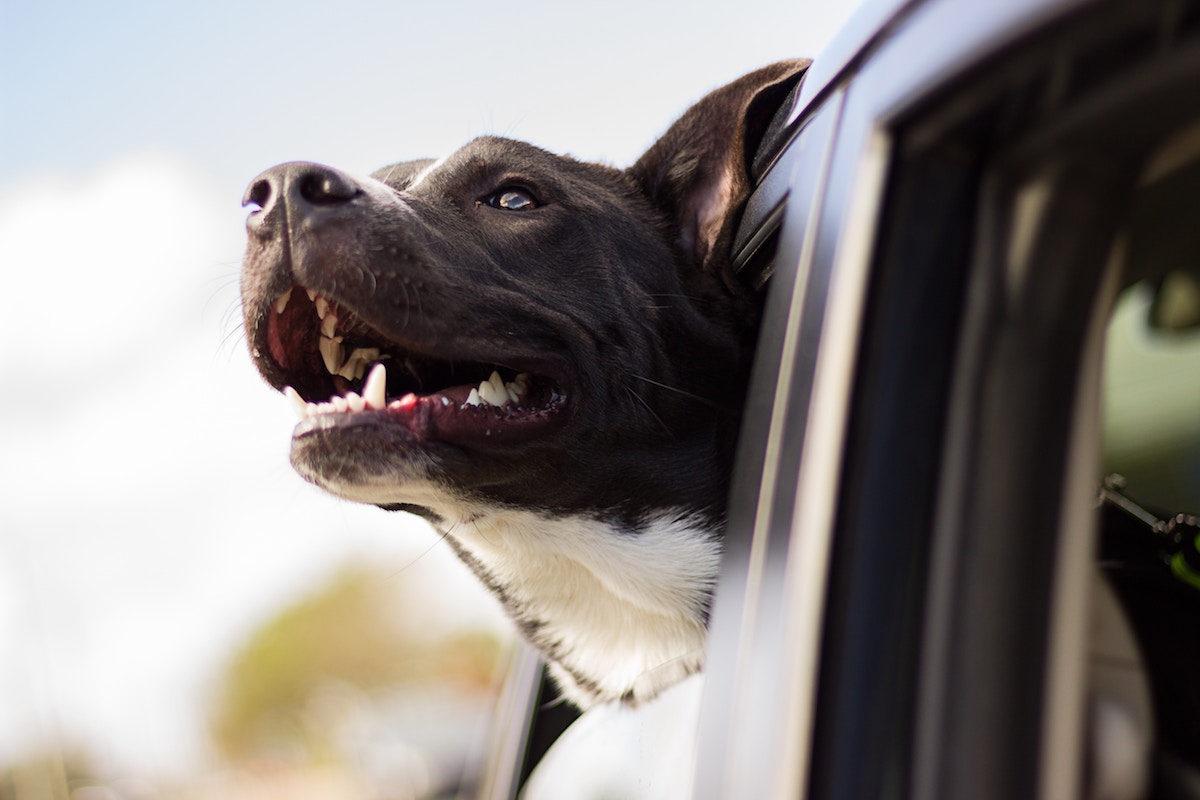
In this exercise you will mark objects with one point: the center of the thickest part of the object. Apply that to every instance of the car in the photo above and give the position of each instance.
(962, 552)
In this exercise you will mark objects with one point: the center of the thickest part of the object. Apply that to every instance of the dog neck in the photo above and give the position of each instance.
(620, 612)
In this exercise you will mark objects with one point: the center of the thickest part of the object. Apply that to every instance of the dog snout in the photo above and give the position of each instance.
(298, 189)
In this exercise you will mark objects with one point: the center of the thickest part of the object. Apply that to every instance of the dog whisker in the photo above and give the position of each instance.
(695, 656)
(407, 304)
(642, 400)
(420, 311)
(232, 321)
(441, 537)
(683, 392)
(467, 270)
(480, 530)
(231, 339)
(688, 297)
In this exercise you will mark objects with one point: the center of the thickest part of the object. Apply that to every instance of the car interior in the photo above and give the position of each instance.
(1148, 549)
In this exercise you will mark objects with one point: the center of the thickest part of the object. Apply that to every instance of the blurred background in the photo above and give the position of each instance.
(180, 615)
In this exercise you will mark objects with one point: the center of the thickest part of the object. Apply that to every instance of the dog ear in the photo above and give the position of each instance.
(698, 173)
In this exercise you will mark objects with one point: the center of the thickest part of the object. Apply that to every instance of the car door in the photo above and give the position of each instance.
(908, 606)
(924, 594)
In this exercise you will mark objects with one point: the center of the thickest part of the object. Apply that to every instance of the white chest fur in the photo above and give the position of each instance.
(622, 612)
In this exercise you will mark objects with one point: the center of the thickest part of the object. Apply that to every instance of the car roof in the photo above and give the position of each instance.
(979, 29)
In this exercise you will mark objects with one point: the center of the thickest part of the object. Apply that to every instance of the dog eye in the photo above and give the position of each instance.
(513, 199)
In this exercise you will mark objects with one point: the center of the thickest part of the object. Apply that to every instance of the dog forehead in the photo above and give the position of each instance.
(497, 152)
(495, 160)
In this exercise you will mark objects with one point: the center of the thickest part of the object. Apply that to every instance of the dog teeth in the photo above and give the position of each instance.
(332, 353)
(492, 390)
(297, 401)
(356, 365)
(375, 389)
(495, 392)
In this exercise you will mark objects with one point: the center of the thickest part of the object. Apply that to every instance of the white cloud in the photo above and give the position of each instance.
(149, 516)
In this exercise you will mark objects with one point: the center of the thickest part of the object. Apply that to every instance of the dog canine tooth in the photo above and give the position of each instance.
(282, 301)
(332, 353)
(298, 402)
(322, 305)
(375, 389)
(312, 294)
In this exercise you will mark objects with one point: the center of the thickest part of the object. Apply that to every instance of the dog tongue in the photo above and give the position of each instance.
(449, 416)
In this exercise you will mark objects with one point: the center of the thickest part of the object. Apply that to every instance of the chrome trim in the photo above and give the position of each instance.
(1063, 711)
(820, 466)
(512, 724)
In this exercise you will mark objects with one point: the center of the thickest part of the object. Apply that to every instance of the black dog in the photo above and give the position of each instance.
(543, 357)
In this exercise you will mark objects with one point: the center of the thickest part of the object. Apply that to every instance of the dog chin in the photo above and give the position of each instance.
(337, 462)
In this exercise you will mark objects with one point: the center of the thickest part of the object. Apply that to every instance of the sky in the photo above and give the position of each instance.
(148, 516)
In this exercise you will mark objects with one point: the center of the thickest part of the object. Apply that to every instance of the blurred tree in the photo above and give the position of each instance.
(49, 775)
(364, 629)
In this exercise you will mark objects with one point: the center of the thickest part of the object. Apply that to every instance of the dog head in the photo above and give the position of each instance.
(600, 298)
(544, 357)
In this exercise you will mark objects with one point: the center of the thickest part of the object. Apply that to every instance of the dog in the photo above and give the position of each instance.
(543, 357)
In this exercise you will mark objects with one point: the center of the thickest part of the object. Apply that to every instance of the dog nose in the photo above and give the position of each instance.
(302, 188)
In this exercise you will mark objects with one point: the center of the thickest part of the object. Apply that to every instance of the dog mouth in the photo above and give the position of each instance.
(339, 371)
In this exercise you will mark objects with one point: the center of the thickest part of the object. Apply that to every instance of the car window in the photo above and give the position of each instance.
(1149, 547)
(1152, 364)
